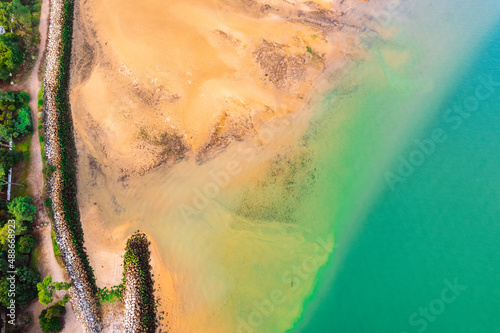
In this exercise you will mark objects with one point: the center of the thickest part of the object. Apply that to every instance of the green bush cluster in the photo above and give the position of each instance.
(20, 19)
(11, 55)
(50, 318)
(15, 115)
(26, 243)
(64, 300)
(15, 121)
(27, 278)
(62, 285)
(22, 208)
(110, 295)
(137, 254)
(46, 289)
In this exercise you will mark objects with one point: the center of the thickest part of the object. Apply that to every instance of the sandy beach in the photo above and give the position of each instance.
(188, 116)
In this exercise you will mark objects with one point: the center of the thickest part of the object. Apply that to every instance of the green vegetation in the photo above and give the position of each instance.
(40, 100)
(67, 142)
(64, 300)
(16, 124)
(25, 284)
(8, 158)
(314, 54)
(20, 20)
(62, 285)
(137, 261)
(17, 216)
(26, 243)
(48, 170)
(27, 278)
(15, 115)
(57, 250)
(11, 55)
(110, 295)
(45, 290)
(22, 208)
(24, 125)
(35, 255)
(50, 318)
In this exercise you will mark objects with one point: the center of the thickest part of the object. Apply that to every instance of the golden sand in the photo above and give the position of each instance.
(187, 116)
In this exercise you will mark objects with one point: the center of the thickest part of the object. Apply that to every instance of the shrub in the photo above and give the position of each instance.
(64, 300)
(25, 243)
(24, 125)
(45, 290)
(110, 295)
(22, 208)
(62, 285)
(11, 55)
(9, 158)
(48, 170)
(50, 318)
(26, 285)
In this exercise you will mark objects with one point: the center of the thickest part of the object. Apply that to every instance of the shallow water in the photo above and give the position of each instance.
(301, 225)
(414, 184)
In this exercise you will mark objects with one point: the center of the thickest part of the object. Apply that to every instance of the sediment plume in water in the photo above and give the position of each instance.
(191, 127)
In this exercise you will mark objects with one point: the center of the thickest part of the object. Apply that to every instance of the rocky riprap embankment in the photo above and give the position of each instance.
(131, 299)
(140, 306)
(83, 298)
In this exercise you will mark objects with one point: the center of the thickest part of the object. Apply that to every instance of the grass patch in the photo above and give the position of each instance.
(35, 254)
(57, 250)
(110, 295)
(314, 55)
(21, 176)
(40, 98)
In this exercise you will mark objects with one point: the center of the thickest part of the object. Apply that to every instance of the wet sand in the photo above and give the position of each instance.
(189, 117)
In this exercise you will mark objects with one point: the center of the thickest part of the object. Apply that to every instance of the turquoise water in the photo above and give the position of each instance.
(418, 227)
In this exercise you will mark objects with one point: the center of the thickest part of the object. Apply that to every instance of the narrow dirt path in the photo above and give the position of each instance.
(47, 263)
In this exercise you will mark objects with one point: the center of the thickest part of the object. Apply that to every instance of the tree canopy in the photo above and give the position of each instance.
(50, 318)
(25, 287)
(23, 124)
(11, 55)
(22, 208)
(19, 19)
(25, 243)
(15, 116)
(45, 290)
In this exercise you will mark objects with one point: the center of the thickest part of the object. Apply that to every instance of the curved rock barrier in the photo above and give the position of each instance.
(61, 153)
(138, 295)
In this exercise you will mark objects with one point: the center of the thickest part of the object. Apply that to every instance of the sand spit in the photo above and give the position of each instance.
(82, 295)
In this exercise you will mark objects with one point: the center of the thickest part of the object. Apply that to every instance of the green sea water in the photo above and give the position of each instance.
(408, 156)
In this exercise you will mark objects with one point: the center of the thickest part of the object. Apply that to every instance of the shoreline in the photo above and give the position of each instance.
(108, 209)
(57, 149)
(106, 184)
